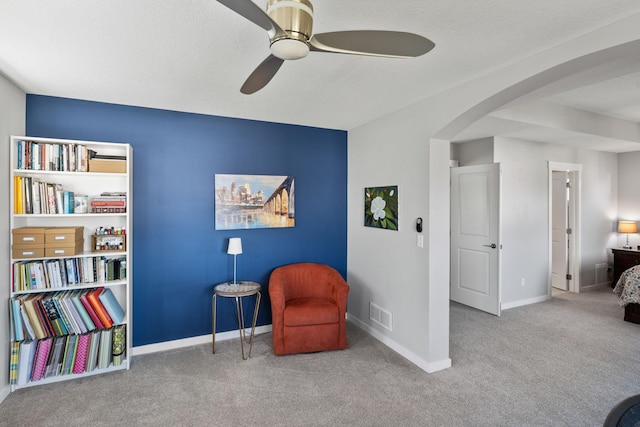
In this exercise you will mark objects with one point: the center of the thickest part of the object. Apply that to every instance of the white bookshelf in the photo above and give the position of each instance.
(90, 184)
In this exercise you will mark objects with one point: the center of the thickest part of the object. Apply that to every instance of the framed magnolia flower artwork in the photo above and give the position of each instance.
(381, 207)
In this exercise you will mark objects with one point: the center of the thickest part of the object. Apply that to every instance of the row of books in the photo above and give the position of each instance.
(34, 360)
(53, 156)
(32, 196)
(64, 272)
(44, 315)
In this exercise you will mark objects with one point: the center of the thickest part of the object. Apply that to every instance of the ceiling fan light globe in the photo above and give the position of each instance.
(289, 49)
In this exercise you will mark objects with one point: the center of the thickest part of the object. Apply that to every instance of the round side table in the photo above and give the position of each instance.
(243, 289)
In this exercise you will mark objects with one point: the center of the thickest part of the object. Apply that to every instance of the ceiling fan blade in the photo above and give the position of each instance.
(262, 75)
(253, 13)
(392, 44)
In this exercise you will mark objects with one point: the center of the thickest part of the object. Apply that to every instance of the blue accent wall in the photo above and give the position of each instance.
(178, 255)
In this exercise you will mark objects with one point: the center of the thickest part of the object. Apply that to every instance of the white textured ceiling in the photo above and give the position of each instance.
(618, 97)
(193, 55)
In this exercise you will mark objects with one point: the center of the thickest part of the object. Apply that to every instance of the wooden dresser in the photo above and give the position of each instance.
(623, 259)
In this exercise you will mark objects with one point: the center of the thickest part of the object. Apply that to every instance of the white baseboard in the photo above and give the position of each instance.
(187, 342)
(426, 366)
(520, 303)
(429, 367)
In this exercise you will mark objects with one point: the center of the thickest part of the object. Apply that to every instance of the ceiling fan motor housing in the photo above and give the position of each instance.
(295, 17)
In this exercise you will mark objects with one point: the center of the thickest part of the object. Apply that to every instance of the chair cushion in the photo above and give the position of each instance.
(310, 311)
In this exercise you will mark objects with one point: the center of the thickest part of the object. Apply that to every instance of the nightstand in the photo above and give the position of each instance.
(622, 260)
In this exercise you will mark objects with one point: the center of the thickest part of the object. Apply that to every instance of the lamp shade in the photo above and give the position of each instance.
(235, 246)
(627, 227)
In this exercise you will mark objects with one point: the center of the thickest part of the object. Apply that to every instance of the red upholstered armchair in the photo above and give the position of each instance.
(308, 305)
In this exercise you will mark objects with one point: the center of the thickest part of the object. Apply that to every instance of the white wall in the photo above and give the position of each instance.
(12, 122)
(629, 193)
(476, 152)
(387, 267)
(525, 213)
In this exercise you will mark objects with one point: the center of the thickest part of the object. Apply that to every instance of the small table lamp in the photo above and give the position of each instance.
(235, 249)
(627, 227)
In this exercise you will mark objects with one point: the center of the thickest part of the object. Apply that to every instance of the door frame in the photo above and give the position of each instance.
(574, 218)
(559, 204)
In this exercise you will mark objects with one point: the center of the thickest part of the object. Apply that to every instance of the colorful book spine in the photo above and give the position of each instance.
(65, 315)
(81, 354)
(18, 328)
(14, 362)
(94, 300)
(27, 353)
(112, 306)
(17, 195)
(30, 333)
(53, 364)
(43, 317)
(94, 346)
(106, 348)
(69, 354)
(109, 201)
(34, 320)
(119, 344)
(54, 316)
(68, 202)
(89, 308)
(82, 311)
(76, 326)
(41, 357)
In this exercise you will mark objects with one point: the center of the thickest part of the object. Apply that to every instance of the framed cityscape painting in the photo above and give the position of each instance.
(381, 207)
(254, 201)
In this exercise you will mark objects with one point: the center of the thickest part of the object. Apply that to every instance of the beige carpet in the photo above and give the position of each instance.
(565, 362)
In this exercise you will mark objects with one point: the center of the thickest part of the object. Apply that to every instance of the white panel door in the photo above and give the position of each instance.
(475, 233)
(559, 225)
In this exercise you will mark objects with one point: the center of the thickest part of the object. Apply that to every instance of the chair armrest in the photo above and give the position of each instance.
(276, 294)
(340, 295)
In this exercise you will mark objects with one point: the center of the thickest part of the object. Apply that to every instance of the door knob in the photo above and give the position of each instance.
(492, 246)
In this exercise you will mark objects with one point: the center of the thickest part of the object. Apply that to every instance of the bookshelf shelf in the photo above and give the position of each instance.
(90, 215)
(106, 284)
(50, 380)
(84, 254)
(89, 174)
(58, 303)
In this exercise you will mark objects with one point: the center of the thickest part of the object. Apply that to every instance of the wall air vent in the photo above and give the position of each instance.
(380, 316)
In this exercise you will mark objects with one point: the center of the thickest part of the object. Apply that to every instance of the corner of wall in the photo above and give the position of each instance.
(427, 366)
(12, 121)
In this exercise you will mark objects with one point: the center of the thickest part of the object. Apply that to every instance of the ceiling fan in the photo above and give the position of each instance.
(289, 24)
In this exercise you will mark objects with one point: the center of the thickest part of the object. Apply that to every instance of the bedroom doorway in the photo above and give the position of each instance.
(564, 227)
